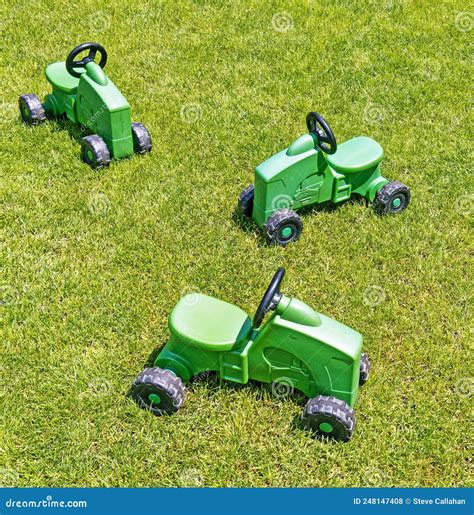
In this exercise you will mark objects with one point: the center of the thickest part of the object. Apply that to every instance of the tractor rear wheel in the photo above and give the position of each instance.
(159, 391)
(364, 369)
(392, 198)
(141, 138)
(94, 151)
(245, 202)
(283, 227)
(31, 109)
(329, 417)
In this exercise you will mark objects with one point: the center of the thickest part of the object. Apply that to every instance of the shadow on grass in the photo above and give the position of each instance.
(214, 385)
(76, 131)
(249, 226)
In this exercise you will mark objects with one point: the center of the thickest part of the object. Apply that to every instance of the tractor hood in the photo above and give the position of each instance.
(278, 179)
(302, 150)
(298, 316)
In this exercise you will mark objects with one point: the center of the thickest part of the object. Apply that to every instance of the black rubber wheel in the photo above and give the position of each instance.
(283, 227)
(364, 369)
(159, 391)
(31, 109)
(141, 138)
(329, 417)
(94, 151)
(392, 198)
(245, 202)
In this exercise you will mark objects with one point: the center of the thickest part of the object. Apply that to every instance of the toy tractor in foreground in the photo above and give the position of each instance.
(297, 348)
(315, 170)
(85, 95)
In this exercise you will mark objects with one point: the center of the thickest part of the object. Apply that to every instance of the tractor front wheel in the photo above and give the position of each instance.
(283, 227)
(31, 109)
(159, 391)
(141, 138)
(392, 198)
(329, 417)
(364, 369)
(245, 202)
(94, 151)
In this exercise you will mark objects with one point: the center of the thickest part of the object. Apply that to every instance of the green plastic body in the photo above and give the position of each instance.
(296, 346)
(94, 102)
(302, 175)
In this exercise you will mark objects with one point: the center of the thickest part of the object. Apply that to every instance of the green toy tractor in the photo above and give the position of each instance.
(296, 347)
(315, 170)
(85, 95)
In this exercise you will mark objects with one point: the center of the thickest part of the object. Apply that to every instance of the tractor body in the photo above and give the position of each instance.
(302, 175)
(83, 93)
(315, 170)
(93, 101)
(295, 349)
(296, 346)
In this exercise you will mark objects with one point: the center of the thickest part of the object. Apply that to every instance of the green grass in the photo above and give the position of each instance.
(92, 263)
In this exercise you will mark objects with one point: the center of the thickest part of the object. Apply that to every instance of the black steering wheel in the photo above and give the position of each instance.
(93, 49)
(271, 298)
(318, 126)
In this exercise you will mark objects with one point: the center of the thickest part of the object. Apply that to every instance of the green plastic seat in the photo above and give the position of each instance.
(356, 155)
(60, 78)
(209, 323)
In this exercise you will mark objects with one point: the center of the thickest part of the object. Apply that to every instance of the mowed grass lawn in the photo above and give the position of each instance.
(93, 262)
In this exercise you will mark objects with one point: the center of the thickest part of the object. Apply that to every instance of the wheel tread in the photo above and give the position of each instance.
(37, 112)
(245, 202)
(279, 217)
(99, 147)
(141, 138)
(384, 195)
(166, 381)
(332, 407)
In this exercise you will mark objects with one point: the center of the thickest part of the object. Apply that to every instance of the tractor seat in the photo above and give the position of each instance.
(208, 323)
(60, 78)
(356, 154)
